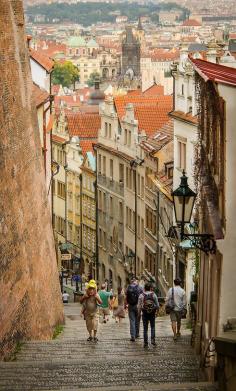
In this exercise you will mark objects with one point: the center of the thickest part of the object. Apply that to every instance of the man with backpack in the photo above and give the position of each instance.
(132, 295)
(148, 305)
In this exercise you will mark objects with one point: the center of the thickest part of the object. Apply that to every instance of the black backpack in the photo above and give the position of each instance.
(132, 294)
(149, 305)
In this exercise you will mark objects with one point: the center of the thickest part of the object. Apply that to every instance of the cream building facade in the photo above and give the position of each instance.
(116, 150)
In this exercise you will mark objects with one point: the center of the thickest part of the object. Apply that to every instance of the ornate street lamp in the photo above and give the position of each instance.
(184, 198)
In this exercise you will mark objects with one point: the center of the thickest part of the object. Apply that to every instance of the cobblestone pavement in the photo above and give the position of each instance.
(70, 363)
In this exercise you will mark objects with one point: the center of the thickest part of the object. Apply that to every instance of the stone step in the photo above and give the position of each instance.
(204, 386)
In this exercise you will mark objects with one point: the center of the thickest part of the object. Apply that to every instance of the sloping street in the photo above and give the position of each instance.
(71, 363)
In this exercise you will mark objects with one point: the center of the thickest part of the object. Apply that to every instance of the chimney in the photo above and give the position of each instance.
(211, 54)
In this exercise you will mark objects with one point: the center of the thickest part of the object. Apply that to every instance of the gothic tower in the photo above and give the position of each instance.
(130, 63)
(140, 34)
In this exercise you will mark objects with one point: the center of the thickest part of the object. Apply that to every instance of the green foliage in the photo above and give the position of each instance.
(65, 74)
(58, 330)
(17, 349)
(92, 78)
(91, 13)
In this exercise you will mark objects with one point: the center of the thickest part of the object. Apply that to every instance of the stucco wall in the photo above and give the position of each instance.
(30, 295)
(227, 246)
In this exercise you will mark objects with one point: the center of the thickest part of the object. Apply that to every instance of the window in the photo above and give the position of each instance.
(93, 210)
(109, 130)
(111, 169)
(121, 173)
(99, 199)
(61, 157)
(106, 127)
(181, 155)
(182, 89)
(111, 206)
(104, 202)
(129, 138)
(104, 165)
(126, 136)
(121, 217)
(99, 163)
(61, 190)
(61, 225)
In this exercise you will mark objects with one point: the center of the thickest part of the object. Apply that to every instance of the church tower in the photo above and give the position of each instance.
(140, 34)
(130, 62)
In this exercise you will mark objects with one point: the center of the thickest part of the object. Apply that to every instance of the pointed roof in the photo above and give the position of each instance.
(140, 27)
(129, 37)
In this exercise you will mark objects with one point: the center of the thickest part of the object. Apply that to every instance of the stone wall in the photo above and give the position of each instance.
(30, 304)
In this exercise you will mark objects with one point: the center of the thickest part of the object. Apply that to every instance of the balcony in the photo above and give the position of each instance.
(111, 185)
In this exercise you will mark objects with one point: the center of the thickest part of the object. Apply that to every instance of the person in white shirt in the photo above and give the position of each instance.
(65, 297)
(179, 299)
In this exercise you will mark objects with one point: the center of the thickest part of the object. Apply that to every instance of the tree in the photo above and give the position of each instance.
(92, 78)
(65, 74)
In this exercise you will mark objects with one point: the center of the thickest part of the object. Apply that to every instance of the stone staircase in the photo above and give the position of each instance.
(70, 363)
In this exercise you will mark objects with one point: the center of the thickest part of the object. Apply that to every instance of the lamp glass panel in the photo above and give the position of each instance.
(189, 201)
(178, 205)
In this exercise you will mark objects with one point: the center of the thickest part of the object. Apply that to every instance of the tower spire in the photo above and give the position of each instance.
(140, 27)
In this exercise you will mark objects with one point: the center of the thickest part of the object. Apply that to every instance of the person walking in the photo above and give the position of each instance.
(119, 312)
(132, 295)
(148, 305)
(90, 302)
(65, 297)
(176, 298)
(104, 309)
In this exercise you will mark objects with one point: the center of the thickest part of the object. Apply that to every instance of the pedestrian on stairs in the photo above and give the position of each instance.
(177, 296)
(148, 304)
(132, 295)
(104, 309)
(90, 302)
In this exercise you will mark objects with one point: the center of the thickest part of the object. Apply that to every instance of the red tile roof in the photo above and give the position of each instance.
(39, 95)
(184, 116)
(163, 101)
(156, 89)
(67, 100)
(164, 55)
(42, 59)
(151, 118)
(58, 139)
(84, 125)
(214, 72)
(87, 145)
(191, 23)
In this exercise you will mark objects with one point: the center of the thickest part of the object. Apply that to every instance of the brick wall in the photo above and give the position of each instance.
(30, 303)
